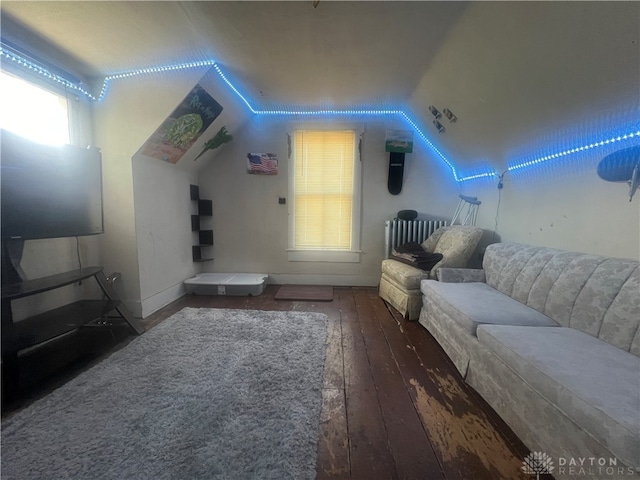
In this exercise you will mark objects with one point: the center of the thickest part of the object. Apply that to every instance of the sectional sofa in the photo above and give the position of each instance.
(550, 339)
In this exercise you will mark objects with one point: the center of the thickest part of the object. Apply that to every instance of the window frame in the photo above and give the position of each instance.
(352, 254)
(76, 134)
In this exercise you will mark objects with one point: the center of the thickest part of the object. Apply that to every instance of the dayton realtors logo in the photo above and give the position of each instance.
(537, 463)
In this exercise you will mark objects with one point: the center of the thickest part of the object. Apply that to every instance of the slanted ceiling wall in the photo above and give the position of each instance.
(528, 79)
(163, 206)
(147, 206)
(522, 76)
(123, 121)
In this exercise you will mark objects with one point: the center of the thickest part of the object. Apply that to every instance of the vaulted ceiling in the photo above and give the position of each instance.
(283, 53)
(525, 79)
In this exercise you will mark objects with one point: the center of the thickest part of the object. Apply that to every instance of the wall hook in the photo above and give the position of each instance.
(449, 114)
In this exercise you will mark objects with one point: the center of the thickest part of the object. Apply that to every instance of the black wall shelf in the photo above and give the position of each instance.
(205, 236)
(205, 208)
(197, 254)
(194, 190)
(195, 223)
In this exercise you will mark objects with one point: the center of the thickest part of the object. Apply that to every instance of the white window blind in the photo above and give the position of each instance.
(324, 189)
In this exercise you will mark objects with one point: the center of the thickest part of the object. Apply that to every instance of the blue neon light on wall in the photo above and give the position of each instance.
(22, 62)
(10, 54)
(601, 143)
(146, 71)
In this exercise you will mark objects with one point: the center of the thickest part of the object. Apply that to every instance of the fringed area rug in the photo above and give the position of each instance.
(207, 394)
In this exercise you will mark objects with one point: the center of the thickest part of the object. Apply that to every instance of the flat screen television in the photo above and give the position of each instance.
(49, 191)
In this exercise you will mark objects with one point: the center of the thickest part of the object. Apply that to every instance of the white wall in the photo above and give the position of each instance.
(566, 207)
(131, 111)
(250, 226)
(162, 201)
(163, 231)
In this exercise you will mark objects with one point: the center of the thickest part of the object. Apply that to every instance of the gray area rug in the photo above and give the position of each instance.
(207, 394)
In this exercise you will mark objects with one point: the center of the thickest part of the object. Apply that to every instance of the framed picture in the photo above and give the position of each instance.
(187, 122)
(399, 141)
(262, 163)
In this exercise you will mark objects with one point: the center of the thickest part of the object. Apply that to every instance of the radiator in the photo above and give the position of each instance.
(399, 232)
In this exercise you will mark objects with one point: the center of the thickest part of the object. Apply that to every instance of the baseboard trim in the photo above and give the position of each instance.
(161, 299)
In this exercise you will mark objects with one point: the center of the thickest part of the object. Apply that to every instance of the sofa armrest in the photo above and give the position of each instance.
(461, 275)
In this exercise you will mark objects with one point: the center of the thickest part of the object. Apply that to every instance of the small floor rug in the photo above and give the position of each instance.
(207, 394)
(312, 293)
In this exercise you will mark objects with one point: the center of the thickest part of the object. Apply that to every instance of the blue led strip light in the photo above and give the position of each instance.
(356, 112)
(456, 176)
(39, 69)
(608, 141)
(211, 63)
(226, 80)
(145, 71)
(327, 112)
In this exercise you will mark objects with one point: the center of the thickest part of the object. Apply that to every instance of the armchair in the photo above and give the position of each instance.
(400, 283)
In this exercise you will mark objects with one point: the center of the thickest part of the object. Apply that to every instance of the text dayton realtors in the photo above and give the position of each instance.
(593, 466)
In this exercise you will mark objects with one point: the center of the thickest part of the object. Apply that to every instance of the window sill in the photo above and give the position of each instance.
(337, 256)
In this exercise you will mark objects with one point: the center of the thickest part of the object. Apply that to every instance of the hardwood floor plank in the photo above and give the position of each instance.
(369, 451)
(370, 454)
(334, 365)
(463, 436)
(267, 300)
(333, 445)
(356, 363)
(410, 446)
(423, 394)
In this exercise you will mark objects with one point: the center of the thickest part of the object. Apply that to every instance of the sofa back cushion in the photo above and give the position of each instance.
(456, 244)
(591, 293)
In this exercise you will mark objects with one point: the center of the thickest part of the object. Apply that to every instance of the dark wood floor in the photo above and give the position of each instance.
(393, 404)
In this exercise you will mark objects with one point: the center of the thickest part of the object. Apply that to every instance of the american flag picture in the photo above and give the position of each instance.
(262, 163)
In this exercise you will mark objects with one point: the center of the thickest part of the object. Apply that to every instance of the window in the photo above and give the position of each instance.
(325, 209)
(33, 112)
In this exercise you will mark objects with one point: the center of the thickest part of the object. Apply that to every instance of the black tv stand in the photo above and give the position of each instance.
(38, 329)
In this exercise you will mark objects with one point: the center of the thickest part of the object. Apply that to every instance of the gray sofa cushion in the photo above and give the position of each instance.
(595, 294)
(456, 243)
(471, 304)
(593, 383)
(406, 276)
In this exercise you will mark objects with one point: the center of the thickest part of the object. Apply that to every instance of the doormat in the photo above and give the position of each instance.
(310, 293)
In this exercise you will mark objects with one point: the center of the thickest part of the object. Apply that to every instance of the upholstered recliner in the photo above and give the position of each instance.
(400, 283)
